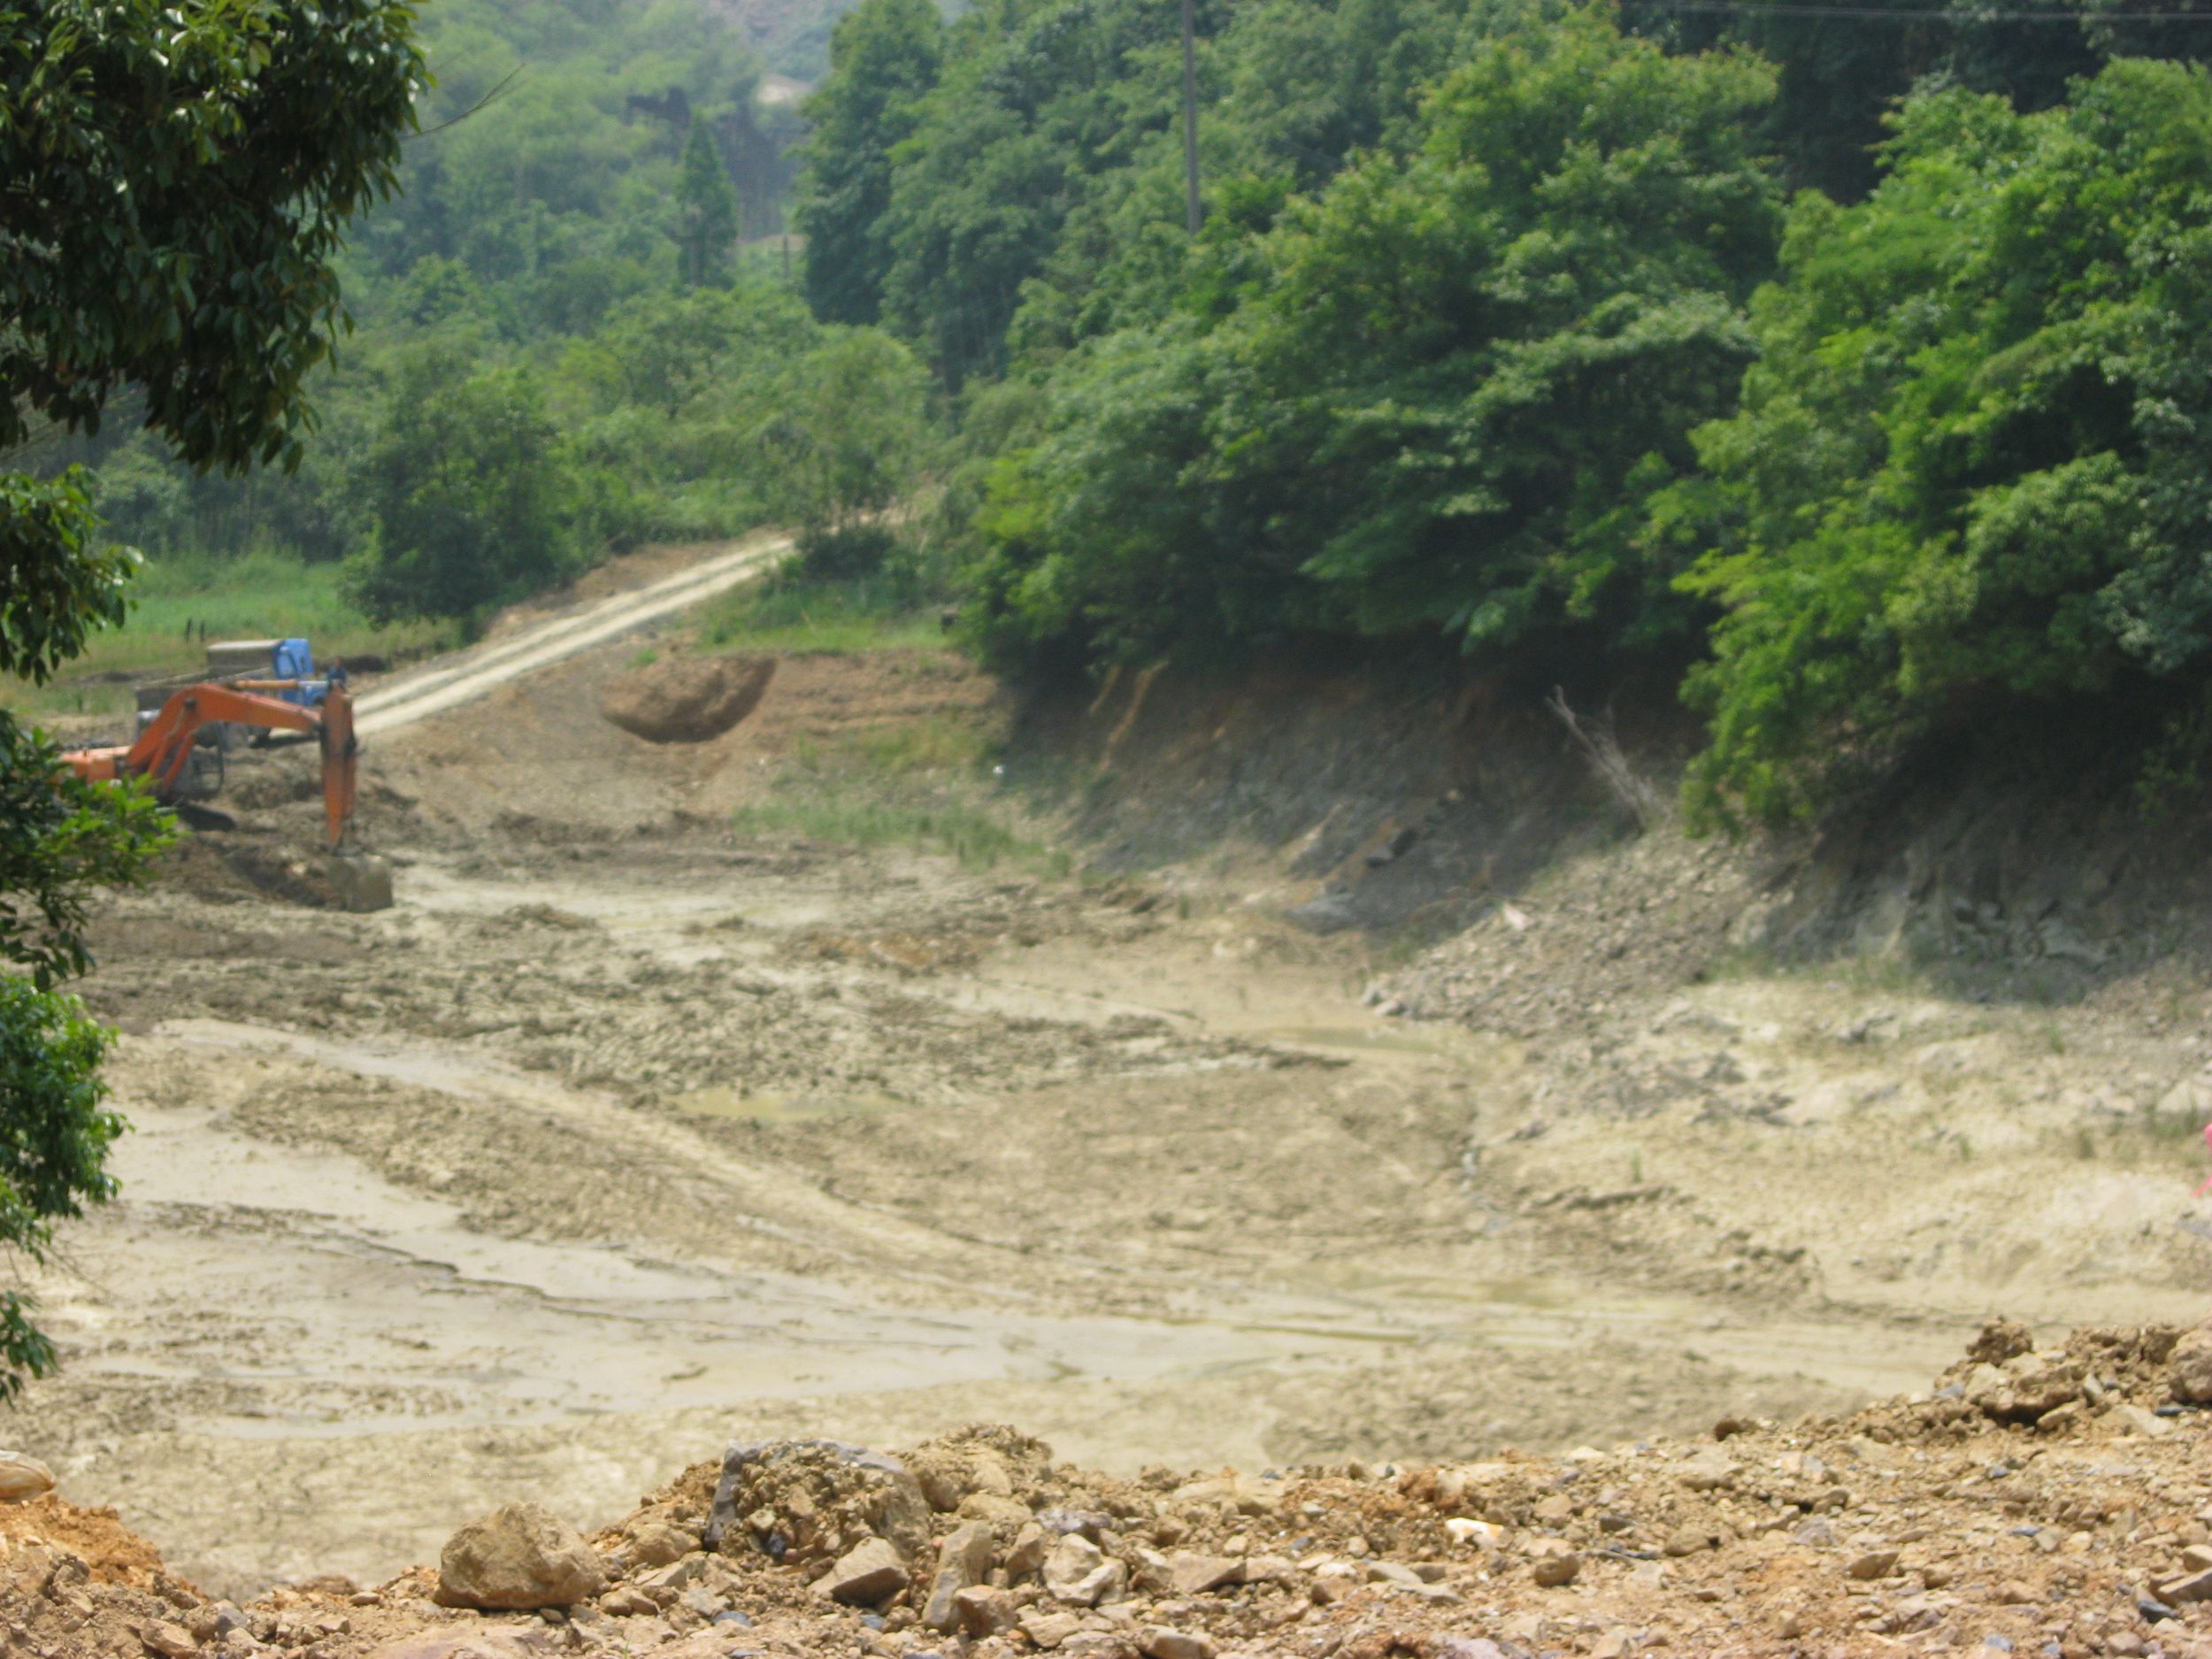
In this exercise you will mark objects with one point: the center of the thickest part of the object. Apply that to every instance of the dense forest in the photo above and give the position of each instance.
(1844, 361)
(1839, 363)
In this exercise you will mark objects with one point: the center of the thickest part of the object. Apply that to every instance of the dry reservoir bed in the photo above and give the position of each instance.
(622, 1135)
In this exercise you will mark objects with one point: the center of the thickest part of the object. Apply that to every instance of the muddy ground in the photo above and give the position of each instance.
(628, 1130)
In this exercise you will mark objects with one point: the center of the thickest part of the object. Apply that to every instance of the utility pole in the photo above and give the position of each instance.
(1190, 115)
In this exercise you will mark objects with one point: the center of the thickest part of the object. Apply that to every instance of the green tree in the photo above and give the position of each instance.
(848, 438)
(472, 503)
(1842, 73)
(175, 183)
(1969, 468)
(1041, 111)
(1441, 389)
(706, 213)
(884, 56)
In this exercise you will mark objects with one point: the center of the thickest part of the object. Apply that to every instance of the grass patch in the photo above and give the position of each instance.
(970, 834)
(930, 744)
(253, 595)
(820, 618)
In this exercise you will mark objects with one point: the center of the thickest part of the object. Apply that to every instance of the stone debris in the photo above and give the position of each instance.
(2018, 1506)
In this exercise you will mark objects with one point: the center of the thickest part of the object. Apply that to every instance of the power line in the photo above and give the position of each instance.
(1962, 15)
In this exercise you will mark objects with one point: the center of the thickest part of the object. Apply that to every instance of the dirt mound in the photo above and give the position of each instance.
(227, 868)
(110, 1551)
(687, 700)
(1936, 1521)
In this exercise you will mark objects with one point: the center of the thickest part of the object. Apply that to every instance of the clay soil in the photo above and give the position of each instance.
(654, 1116)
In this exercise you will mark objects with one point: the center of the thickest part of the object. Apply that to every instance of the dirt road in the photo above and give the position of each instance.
(622, 1133)
(471, 674)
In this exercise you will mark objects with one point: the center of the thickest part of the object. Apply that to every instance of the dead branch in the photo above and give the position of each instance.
(1645, 802)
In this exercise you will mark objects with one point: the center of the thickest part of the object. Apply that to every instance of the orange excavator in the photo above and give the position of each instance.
(163, 751)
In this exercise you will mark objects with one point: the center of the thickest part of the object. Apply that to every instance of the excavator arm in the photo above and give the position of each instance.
(164, 749)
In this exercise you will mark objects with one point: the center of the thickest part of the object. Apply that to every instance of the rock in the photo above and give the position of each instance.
(170, 1641)
(1333, 1581)
(1107, 1582)
(868, 1575)
(1267, 1570)
(1614, 1644)
(1469, 1648)
(1025, 1558)
(23, 1479)
(1068, 1567)
(2197, 1586)
(984, 1612)
(519, 1557)
(2002, 1340)
(963, 1559)
(687, 701)
(821, 1492)
(657, 1544)
(1190, 1574)
(1878, 1564)
(1156, 1641)
(704, 1603)
(1392, 1572)
(2061, 1418)
(674, 1576)
(215, 1620)
(1554, 1570)
(1049, 1629)
(2189, 1367)
(986, 1460)
(2025, 1389)
(2123, 1418)
(1710, 1470)
(1004, 1515)
(1428, 1592)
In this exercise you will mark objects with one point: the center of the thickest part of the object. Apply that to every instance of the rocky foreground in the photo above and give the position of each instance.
(2048, 1502)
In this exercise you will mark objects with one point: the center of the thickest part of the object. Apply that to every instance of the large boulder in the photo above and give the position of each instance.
(688, 700)
(520, 1556)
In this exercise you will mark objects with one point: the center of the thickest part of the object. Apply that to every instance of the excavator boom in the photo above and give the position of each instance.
(164, 749)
